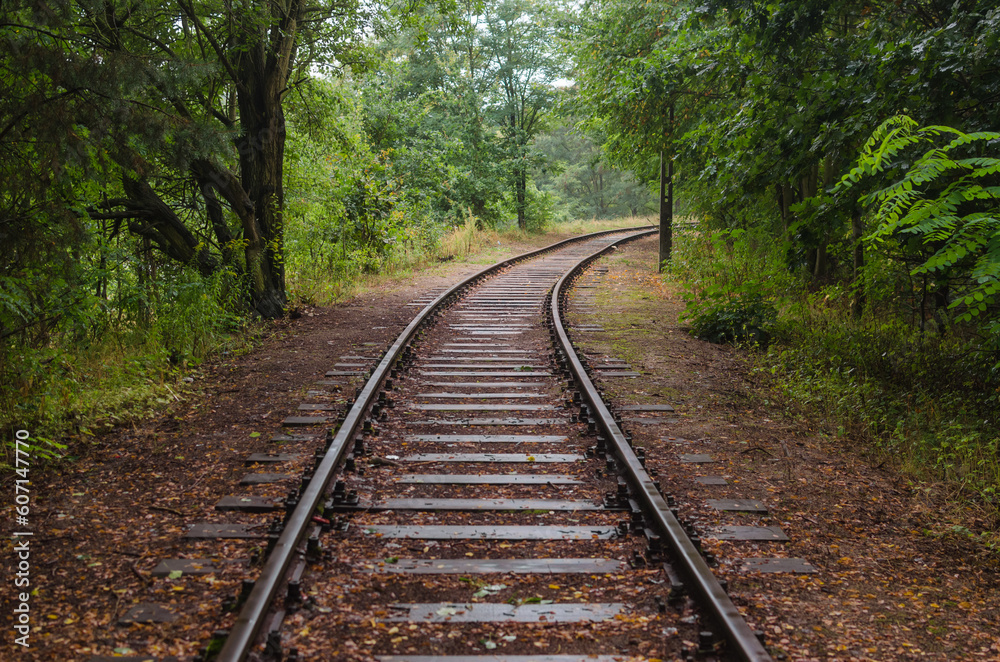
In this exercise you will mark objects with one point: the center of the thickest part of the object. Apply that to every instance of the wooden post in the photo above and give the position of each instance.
(857, 232)
(666, 201)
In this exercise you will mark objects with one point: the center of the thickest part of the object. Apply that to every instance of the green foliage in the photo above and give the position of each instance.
(200, 316)
(928, 401)
(437, 141)
(348, 214)
(582, 180)
(773, 98)
(463, 91)
(730, 297)
(944, 207)
(922, 399)
(741, 318)
(128, 323)
(539, 209)
(734, 279)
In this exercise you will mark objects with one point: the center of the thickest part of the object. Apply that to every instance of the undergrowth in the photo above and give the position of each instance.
(114, 366)
(732, 291)
(130, 355)
(926, 402)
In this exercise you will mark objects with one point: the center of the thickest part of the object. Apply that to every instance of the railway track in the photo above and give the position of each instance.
(478, 501)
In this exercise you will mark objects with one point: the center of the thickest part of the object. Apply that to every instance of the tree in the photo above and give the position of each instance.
(463, 91)
(578, 173)
(772, 98)
(520, 35)
(185, 99)
(633, 73)
(425, 107)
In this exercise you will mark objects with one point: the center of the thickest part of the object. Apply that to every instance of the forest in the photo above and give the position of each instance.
(176, 173)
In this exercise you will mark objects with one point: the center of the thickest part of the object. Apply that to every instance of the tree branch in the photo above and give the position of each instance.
(189, 10)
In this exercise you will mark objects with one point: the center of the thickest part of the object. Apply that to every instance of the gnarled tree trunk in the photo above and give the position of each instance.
(263, 66)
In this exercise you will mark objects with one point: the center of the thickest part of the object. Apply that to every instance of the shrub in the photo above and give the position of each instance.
(733, 288)
(735, 319)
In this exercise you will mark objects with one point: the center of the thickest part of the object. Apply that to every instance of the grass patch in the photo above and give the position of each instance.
(113, 368)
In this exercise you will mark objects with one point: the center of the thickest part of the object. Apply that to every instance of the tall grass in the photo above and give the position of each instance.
(466, 239)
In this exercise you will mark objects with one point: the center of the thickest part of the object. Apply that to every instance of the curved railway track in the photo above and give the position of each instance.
(478, 501)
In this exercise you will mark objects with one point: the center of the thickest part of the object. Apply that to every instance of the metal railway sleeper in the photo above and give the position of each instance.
(484, 448)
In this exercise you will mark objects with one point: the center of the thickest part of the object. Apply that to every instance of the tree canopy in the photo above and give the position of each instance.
(777, 100)
(173, 112)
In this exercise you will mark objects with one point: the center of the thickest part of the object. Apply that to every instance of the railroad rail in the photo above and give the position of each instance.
(487, 366)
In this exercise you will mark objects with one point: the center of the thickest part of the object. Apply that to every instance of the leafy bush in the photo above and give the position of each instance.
(539, 209)
(200, 316)
(735, 319)
(732, 288)
(118, 357)
(943, 211)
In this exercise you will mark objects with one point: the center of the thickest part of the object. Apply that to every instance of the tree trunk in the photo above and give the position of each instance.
(520, 175)
(263, 74)
(211, 179)
(857, 232)
(810, 187)
(822, 263)
(666, 209)
(153, 219)
(520, 190)
(785, 198)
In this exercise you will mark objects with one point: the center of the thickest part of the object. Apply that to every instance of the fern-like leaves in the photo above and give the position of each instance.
(949, 197)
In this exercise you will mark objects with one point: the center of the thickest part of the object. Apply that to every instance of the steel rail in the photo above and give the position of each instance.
(693, 566)
(243, 634)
